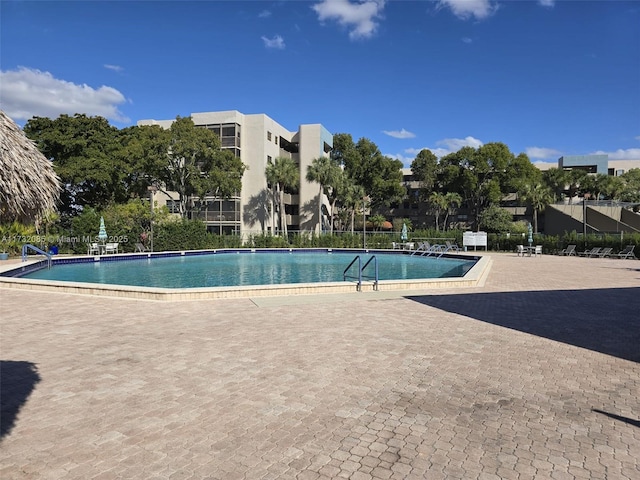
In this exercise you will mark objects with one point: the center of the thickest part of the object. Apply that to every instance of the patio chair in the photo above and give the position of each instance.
(570, 250)
(520, 250)
(590, 253)
(627, 252)
(94, 249)
(538, 250)
(605, 252)
(111, 248)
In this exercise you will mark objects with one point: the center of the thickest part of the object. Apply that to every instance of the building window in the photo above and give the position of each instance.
(275, 139)
(173, 206)
(269, 159)
(269, 136)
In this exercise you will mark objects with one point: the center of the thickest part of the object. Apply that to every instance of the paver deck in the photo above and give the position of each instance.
(536, 374)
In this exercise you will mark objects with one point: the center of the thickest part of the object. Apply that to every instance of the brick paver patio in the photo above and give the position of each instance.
(534, 375)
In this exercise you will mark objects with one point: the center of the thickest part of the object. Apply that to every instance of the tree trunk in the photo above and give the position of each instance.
(283, 216)
(320, 195)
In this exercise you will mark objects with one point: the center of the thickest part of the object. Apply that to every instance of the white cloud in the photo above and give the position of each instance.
(466, 9)
(399, 133)
(360, 16)
(542, 153)
(637, 138)
(454, 144)
(28, 92)
(444, 147)
(276, 42)
(467, 40)
(621, 154)
(115, 68)
(264, 14)
(547, 3)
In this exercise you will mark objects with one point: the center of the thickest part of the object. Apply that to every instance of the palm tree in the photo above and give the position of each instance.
(282, 173)
(352, 196)
(377, 221)
(454, 200)
(336, 194)
(324, 171)
(539, 196)
(438, 202)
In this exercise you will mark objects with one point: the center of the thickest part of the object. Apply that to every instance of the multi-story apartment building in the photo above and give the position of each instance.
(420, 216)
(257, 139)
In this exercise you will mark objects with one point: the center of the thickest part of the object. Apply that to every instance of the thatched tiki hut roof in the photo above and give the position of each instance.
(29, 186)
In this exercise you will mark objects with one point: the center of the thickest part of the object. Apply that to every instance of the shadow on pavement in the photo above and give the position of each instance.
(635, 423)
(602, 320)
(18, 379)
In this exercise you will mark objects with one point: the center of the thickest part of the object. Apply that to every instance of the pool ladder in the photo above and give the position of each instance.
(25, 251)
(361, 269)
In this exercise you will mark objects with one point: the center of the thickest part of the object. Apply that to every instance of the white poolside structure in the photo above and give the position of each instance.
(256, 139)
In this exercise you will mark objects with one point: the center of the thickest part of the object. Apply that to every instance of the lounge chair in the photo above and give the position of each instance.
(425, 248)
(538, 250)
(627, 252)
(605, 252)
(452, 246)
(141, 248)
(570, 250)
(590, 253)
(520, 250)
(94, 249)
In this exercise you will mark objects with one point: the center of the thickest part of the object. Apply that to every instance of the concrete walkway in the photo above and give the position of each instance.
(534, 375)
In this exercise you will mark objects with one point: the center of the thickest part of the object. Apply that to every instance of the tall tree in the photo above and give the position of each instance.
(344, 151)
(191, 159)
(479, 175)
(425, 170)
(453, 201)
(84, 151)
(282, 173)
(352, 199)
(520, 172)
(575, 181)
(630, 190)
(144, 149)
(325, 172)
(380, 176)
(556, 180)
(539, 196)
(438, 203)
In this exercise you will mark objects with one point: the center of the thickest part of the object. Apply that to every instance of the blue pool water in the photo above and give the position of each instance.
(238, 269)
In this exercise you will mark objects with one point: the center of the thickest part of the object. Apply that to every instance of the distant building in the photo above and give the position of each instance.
(256, 139)
(618, 218)
(588, 163)
(591, 164)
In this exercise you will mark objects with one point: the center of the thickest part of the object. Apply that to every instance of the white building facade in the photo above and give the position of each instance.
(257, 139)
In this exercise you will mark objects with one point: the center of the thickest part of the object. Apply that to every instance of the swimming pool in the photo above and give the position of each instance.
(242, 272)
(251, 268)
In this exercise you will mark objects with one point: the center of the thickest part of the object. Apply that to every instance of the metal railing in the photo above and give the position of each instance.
(25, 251)
(361, 269)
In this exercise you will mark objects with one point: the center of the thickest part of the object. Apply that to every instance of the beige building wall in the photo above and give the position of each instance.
(261, 139)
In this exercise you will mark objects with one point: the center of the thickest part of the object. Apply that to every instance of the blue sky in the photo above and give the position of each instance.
(548, 78)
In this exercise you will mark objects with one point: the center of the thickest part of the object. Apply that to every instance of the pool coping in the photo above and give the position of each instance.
(473, 278)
